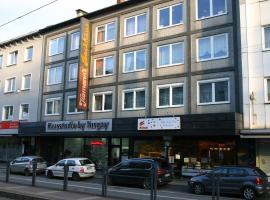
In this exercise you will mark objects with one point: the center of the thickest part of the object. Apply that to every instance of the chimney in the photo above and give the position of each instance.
(80, 12)
(121, 1)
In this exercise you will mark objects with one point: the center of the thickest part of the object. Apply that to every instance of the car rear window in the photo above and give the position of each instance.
(259, 172)
(86, 162)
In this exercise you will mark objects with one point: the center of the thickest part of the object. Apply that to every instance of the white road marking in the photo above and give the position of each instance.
(16, 187)
(48, 192)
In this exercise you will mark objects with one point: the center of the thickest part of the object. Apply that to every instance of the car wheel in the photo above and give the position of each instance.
(198, 188)
(146, 184)
(76, 177)
(50, 174)
(249, 193)
(26, 172)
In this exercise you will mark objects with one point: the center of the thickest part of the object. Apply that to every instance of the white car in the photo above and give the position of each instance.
(78, 168)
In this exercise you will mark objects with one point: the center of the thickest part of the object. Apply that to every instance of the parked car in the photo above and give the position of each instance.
(24, 165)
(247, 181)
(136, 171)
(78, 168)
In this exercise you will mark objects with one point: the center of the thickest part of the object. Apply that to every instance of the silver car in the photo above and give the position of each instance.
(24, 165)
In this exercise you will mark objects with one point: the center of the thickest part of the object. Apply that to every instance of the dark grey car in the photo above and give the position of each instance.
(247, 181)
(24, 165)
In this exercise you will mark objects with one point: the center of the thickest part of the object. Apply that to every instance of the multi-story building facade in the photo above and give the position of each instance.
(20, 68)
(255, 34)
(151, 63)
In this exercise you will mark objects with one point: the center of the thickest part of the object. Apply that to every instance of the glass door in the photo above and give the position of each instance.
(119, 150)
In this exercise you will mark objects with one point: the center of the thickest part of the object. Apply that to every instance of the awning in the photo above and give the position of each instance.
(255, 133)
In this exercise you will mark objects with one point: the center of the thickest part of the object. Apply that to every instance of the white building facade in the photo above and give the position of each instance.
(255, 47)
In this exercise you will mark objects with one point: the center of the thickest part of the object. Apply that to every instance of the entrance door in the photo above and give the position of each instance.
(115, 157)
(119, 150)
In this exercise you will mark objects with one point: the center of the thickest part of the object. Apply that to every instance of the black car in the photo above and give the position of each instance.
(247, 181)
(136, 171)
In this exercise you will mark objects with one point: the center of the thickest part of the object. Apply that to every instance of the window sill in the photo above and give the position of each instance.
(72, 81)
(175, 106)
(213, 103)
(137, 34)
(74, 113)
(172, 65)
(26, 61)
(23, 120)
(48, 115)
(7, 120)
(56, 54)
(209, 17)
(135, 71)
(72, 50)
(103, 76)
(100, 43)
(101, 111)
(170, 26)
(266, 49)
(54, 84)
(10, 65)
(132, 109)
(25, 89)
(9, 92)
(211, 59)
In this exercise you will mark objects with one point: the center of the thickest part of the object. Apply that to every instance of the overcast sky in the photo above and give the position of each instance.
(57, 12)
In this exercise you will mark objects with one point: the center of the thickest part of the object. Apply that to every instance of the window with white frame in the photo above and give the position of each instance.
(170, 16)
(12, 58)
(267, 90)
(134, 61)
(75, 41)
(266, 32)
(52, 106)
(170, 95)
(10, 85)
(105, 33)
(212, 47)
(102, 102)
(1, 61)
(104, 66)
(24, 112)
(28, 54)
(54, 75)
(57, 46)
(211, 8)
(135, 25)
(71, 107)
(134, 99)
(73, 72)
(7, 114)
(171, 54)
(214, 91)
(26, 82)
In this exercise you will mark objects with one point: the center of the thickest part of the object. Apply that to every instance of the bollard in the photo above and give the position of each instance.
(152, 183)
(155, 183)
(213, 185)
(34, 173)
(218, 186)
(7, 171)
(66, 168)
(105, 182)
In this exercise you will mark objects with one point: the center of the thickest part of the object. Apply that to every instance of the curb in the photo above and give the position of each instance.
(17, 196)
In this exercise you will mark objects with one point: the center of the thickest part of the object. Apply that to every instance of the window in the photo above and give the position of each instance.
(52, 106)
(54, 75)
(102, 102)
(104, 66)
(1, 61)
(135, 25)
(171, 54)
(75, 41)
(73, 72)
(24, 112)
(237, 172)
(10, 85)
(26, 82)
(266, 37)
(211, 8)
(135, 61)
(72, 106)
(213, 47)
(7, 113)
(105, 33)
(134, 99)
(170, 95)
(170, 16)
(57, 46)
(267, 90)
(214, 91)
(28, 54)
(13, 58)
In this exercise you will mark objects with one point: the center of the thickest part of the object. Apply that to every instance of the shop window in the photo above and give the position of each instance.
(171, 54)
(73, 72)
(104, 66)
(105, 33)
(134, 61)
(135, 25)
(56, 46)
(211, 8)
(170, 16)
(214, 91)
(102, 102)
(75, 41)
(134, 99)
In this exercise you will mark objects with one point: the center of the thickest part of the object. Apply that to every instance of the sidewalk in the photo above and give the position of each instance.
(22, 192)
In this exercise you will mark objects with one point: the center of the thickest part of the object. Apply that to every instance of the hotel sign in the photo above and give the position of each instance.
(165, 123)
(80, 126)
(83, 72)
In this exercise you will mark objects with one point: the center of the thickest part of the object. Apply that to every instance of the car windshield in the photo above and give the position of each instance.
(259, 172)
(86, 162)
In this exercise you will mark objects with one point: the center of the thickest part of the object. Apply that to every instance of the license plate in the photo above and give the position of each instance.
(167, 175)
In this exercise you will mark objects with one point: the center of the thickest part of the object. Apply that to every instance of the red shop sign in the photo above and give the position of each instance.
(9, 125)
(97, 143)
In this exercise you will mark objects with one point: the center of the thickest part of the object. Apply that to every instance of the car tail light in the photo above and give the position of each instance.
(81, 169)
(161, 171)
(259, 181)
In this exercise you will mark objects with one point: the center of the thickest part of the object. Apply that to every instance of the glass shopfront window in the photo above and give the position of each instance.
(149, 148)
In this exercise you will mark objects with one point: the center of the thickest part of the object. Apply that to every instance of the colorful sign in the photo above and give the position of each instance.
(165, 123)
(9, 125)
(83, 72)
(80, 126)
